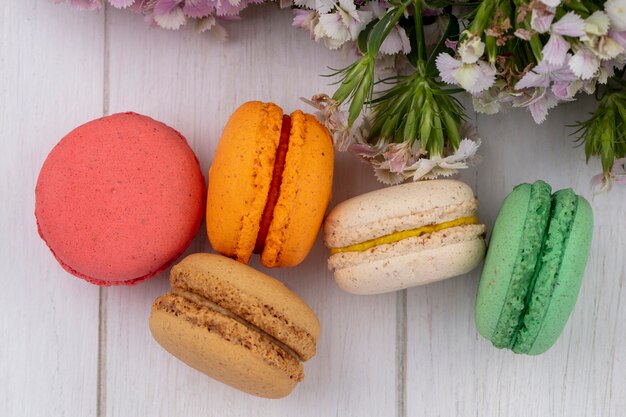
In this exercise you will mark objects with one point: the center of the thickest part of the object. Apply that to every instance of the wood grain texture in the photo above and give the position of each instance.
(194, 83)
(453, 371)
(412, 353)
(50, 82)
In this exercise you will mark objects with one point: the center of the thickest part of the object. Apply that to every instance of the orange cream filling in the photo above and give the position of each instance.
(404, 234)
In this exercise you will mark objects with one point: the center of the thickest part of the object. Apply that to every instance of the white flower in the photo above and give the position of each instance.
(616, 9)
(323, 6)
(396, 42)
(341, 26)
(487, 102)
(472, 77)
(471, 50)
(383, 173)
(596, 25)
(437, 166)
(309, 4)
(606, 48)
(584, 63)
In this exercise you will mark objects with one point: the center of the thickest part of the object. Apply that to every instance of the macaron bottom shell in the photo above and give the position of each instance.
(225, 350)
(419, 268)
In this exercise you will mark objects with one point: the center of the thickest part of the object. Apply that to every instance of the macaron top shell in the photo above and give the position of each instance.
(255, 297)
(119, 199)
(513, 252)
(240, 177)
(401, 207)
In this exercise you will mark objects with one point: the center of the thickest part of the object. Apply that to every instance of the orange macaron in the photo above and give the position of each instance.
(269, 185)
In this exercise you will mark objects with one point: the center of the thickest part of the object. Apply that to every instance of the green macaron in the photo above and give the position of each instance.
(534, 267)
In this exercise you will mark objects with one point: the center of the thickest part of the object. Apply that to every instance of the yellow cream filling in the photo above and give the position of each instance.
(404, 234)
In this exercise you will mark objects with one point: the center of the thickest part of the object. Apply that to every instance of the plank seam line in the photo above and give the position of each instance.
(102, 292)
(401, 352)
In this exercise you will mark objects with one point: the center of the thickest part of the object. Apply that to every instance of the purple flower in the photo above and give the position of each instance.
(544, 74)
(541, 100)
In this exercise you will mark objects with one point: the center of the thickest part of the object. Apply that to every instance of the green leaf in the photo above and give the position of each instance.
(452, 33)
(452, 131)
(536, 47)
(380, 30)
(363, 35)
(492, 48)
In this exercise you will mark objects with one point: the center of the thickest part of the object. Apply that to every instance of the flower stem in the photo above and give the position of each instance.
(419, 36)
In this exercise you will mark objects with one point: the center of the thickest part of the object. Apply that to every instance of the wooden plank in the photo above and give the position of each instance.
(51, 72)
(194, 83)
(453, 371)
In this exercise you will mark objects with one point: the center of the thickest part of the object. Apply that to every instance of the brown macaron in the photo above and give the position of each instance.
(236, 325)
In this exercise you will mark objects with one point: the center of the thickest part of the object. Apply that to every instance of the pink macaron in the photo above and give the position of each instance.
(119, 199)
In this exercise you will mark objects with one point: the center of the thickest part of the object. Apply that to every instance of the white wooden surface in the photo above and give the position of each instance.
(70, 349)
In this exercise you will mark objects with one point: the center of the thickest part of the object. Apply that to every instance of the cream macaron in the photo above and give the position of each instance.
(403, 236)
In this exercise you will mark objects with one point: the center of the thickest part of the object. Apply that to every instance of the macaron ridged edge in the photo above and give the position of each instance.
(537, 216)
(563, 212)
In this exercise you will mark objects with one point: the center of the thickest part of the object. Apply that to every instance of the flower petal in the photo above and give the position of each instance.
(555, 51)
(121, 4)
(541, 20)
(584, 63)
(172, 20)
(551, 3)
(471, 50)
(198, 8)
(597, 24)
(616, 9)
(532, 79)
(569, 25)
(447, 65)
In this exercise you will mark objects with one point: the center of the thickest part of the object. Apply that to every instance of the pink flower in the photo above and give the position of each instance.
(169, 14)
(305, 19)
(541, 100)
(198, 8)
(544, 74)
(541, 19)
(399, 156)
(556, 49)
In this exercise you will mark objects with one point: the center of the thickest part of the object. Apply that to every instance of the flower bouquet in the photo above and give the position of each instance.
(397, 106)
